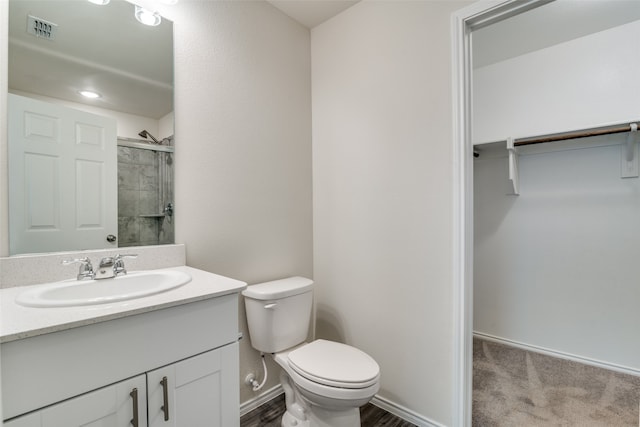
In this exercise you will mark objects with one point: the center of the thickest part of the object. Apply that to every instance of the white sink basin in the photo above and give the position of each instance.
(89, 292)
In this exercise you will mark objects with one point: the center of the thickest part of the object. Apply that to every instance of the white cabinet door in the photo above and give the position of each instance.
(31, 420)
(201, 391)
(111, 406)
(62, 178)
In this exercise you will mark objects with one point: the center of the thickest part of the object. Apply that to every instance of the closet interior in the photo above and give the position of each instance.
(556, 213)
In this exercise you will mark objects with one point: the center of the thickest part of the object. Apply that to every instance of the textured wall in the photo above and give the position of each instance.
(243, 166)
(586, 82)
(382, 164)
(556, 267)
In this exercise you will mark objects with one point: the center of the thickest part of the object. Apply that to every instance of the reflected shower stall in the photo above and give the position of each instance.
(145, 192)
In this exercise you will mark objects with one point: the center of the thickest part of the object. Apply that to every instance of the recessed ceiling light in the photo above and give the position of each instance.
(147, 17)
(99, 2)
(89, 94)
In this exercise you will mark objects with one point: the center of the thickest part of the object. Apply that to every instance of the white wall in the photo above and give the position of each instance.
(583, 83)
(382, 162)
(243, 127)
(556, 266)
(4, 187)
(4, 81)
(165, 126)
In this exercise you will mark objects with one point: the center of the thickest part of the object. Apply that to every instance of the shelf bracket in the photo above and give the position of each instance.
(629, 155)
(513, 167)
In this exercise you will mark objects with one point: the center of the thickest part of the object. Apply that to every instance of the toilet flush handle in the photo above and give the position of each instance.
(270, 306)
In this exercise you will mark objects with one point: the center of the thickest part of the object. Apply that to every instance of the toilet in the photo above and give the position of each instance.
(325, 382)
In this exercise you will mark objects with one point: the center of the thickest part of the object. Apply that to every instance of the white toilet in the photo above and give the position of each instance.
(325, 382)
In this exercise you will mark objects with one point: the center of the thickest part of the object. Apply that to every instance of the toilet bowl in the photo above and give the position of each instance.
(325, 382)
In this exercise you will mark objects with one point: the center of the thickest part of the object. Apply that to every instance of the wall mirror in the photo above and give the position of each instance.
(57, 49)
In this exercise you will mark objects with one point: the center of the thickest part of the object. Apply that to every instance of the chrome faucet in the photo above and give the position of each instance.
(109, 267)
(86, 269)
(118, 265)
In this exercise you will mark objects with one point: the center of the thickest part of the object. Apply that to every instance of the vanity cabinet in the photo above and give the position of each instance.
(111, 406)
(193, 392)
(182, 361)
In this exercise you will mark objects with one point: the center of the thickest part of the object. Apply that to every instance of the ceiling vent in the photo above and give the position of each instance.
(41, 28)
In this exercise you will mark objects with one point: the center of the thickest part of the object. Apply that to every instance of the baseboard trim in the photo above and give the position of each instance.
(382, 403)
(261, 399)
(404, 413)
(559, 354)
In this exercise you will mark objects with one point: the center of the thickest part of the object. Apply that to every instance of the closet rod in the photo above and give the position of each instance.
(573, 134)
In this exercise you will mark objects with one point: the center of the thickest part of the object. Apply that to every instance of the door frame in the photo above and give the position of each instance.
(463, 22)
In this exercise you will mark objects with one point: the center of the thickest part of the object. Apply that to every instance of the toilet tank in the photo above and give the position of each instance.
(278, 313)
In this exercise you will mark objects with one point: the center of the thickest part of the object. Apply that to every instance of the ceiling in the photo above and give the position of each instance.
(548, 25)
(311, 13)
(133, 66)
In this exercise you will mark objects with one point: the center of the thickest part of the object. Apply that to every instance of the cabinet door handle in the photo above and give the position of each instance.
(134, 396)
(165, 398)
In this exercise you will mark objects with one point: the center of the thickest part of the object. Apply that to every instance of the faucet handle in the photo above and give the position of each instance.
(118, 263)
(127, 256)
(86, 269)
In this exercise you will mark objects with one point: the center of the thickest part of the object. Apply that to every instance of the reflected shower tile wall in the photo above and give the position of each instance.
(148, 231)
(166, 231)
(149, 203)
(126, 155)
(128, 231)
(128, 203)
(138, 194)
(148, 178)
(128, 176)
(145, 157)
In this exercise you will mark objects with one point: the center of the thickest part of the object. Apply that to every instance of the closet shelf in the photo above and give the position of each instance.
(628, 154)
(583, 133)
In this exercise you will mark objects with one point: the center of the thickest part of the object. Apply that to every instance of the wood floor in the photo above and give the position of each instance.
(270, 414)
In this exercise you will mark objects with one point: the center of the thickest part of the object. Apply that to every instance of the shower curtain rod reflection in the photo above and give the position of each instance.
(584, 133)
(143, 145)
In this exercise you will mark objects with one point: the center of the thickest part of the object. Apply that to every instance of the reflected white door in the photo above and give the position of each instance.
(62, 178)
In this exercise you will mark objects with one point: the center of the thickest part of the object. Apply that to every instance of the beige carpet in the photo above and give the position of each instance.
(513, 387)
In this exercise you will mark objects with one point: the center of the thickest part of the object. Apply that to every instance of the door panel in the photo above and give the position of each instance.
(110, 406)
(202, 391)
(31, 420)
(62, 178)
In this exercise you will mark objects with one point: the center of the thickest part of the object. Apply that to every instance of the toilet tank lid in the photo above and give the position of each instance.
(279, 288)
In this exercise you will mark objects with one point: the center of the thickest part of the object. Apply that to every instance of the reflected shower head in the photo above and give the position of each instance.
(146, 134)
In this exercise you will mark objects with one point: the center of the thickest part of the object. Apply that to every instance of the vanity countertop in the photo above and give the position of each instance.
(18, 322)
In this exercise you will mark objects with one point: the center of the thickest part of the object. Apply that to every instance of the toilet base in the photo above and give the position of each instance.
(301, 412)
(289, 420)
(319, 417)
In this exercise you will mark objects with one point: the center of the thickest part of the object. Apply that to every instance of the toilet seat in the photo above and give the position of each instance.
(334, 364)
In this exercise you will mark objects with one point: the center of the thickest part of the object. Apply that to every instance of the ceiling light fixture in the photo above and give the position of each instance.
(99, 2)
(89, 94)
(147, 17)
